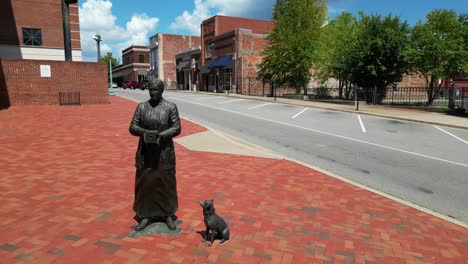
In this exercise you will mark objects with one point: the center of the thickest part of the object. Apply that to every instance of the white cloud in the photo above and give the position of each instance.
(190, 21)
(96, 18)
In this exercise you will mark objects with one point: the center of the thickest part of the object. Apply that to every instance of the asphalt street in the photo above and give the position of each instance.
(424, 164)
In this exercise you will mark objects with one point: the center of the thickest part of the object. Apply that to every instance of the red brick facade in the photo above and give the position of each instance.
(21, 82)
(135, 65)
(135, 54)
(243, 39)
(219, 25)
(164, 54)
(41, 14)
(412, 80)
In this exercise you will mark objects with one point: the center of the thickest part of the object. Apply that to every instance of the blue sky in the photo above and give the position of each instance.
(122, 23)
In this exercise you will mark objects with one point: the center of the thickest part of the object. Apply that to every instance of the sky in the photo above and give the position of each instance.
(122, 23)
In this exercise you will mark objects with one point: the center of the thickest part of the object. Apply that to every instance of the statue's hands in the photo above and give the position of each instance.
(151, 136)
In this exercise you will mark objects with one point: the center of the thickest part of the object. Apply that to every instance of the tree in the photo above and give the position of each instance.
(336, 45)
(438, 48)
(113, 60)
(292, 44)
(377, 57)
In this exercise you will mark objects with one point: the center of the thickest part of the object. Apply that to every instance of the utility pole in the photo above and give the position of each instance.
(66, 28)
(111, 88)
(356, 99)
(98, 40)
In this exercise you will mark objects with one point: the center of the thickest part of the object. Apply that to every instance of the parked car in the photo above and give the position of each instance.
(114, 85)
(131, 84)
(144, 84)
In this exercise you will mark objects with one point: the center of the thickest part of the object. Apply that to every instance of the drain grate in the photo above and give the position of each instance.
(69, 98)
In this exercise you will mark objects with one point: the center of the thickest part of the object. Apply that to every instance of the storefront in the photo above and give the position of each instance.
(217, 75)
(187, 69)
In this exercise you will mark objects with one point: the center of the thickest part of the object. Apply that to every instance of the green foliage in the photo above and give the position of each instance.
(335, 48)
(293, 43)
(108, 58)
(438, 47)
(376, 58)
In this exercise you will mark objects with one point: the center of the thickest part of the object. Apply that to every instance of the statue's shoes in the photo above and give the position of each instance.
(143, 224)
(170, 223)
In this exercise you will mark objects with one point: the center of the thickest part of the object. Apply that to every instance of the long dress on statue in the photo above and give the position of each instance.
(155, 180)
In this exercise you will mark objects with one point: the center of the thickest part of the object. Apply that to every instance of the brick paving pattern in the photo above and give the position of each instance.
(66, 192)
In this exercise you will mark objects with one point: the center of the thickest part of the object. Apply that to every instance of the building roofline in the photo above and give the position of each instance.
(234, 30)
(170, 34)
(135, 46)
(254, 19)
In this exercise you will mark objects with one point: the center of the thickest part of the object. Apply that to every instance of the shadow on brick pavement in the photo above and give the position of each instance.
(66, 188)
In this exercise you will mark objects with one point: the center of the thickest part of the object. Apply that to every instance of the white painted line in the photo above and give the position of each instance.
(362, 124)
(303, 110)
(231, 101)
(206, 97)
(450, 134)
(331, 134)
(259, 106)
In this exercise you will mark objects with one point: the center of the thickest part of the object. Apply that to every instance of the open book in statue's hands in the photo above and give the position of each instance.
(151, 137)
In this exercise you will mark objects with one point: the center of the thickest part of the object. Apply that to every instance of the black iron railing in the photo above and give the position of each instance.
(69, 98)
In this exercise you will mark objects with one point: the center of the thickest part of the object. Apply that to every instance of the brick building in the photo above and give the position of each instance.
(135, 65)
(230, 50)
(188, 67)
(163, 49)
(33, 29)
(33, 69)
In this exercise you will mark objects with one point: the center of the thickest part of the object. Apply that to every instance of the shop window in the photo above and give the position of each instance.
(227, 73)
(32, 37)
(212, 79)
(209, 50)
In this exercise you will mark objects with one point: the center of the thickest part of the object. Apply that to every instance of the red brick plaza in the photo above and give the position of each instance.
(66, 191)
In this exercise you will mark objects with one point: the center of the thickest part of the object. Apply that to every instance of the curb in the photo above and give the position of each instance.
(253, 97)
(336, 176)
(331, 174)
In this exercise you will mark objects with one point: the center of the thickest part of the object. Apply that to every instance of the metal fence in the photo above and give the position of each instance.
(69, 98)
(253, 86)
(446, 97)
(451, 97)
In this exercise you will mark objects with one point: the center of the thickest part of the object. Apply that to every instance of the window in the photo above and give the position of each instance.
(141, 58)
(209, 50)
(32, 37)
(227, 78)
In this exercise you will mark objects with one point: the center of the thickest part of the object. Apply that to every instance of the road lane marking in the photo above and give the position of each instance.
(231, 101)
(303, 110)
(450, 134)
(361, 123)
(259, 106)
(330, 134)
(206, 97)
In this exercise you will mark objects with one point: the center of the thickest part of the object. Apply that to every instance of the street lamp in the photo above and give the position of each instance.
(98, 39)
(111, 88)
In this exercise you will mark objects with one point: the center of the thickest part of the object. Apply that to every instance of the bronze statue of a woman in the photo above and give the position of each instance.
(156, 122)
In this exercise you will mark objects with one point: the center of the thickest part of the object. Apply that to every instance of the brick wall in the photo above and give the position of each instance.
(22, 84)
(250, 47)
(225, 24)
(217, 25)
(412, 80)
(40, 14)
(172, 44)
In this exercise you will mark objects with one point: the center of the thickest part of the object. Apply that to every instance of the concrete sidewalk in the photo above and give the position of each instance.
(375, 110)
(66, 186)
